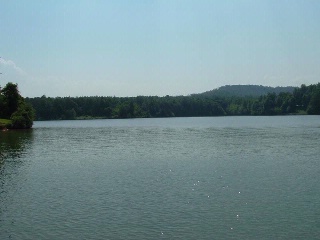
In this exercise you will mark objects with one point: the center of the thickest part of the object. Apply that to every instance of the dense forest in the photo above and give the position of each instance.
(302, 100)
(15, 112)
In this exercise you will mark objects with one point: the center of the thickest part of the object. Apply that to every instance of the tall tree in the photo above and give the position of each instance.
(14, 107)
(11, 98)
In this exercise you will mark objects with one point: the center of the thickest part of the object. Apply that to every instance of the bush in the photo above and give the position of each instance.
(23, 117)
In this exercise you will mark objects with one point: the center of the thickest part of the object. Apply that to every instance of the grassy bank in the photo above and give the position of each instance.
(4, 123)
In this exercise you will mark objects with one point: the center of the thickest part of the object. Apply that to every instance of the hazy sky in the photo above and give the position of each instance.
(146, 47)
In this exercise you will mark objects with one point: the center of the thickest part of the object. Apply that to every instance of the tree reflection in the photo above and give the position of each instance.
(13, 143)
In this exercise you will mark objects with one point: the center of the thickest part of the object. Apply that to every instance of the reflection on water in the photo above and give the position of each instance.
(13, 143)
(13, 146)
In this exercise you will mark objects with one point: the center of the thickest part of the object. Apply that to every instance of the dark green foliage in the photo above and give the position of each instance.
(302, 100)
(14, 107)
(314, 105)
(23, 117)
(133, 107)
(2, 105)
(10, 98)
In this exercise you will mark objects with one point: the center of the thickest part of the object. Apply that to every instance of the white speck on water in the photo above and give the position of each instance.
(239, 192)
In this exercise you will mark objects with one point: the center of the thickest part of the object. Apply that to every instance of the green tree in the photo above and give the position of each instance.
(23, 117)
(11, 98)
(314, 104)
(15, 108)
(2, 105)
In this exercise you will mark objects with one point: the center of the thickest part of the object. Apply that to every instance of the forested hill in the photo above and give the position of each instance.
(246, 91)
(303, 100)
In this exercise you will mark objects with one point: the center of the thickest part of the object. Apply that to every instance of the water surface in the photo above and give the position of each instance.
(172, 178)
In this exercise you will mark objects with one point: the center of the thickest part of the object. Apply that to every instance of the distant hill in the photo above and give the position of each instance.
(245, 91)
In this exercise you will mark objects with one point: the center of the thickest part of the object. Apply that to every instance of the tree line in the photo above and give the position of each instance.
(303, 100)
(246, 90)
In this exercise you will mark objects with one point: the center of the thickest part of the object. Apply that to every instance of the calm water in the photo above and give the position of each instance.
(178, 178)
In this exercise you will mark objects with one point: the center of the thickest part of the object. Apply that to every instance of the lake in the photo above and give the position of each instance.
(170, 178)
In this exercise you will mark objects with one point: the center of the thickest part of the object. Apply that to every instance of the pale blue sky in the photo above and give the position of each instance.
(145, 47)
